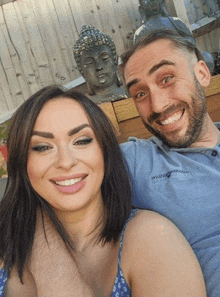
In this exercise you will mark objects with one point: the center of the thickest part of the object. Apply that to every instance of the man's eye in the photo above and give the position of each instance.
(140, 96)
(83, 141)
(167, 79)
(41, 148)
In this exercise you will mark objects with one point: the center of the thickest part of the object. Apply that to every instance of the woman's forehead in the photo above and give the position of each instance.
(61, 113)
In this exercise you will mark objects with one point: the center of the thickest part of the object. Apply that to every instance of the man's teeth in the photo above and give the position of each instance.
(68, 182)
(174, 118)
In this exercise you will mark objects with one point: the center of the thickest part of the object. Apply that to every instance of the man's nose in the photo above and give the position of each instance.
(159, 100)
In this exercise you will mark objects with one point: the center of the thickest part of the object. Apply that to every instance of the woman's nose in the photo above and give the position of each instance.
(66, 158)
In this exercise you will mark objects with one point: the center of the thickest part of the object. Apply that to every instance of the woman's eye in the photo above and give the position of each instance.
(41, 148)
(83, 141)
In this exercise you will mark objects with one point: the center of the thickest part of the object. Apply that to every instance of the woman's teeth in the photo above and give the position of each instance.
(68, 182)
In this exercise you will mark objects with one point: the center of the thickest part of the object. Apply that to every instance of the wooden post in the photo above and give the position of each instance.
(181, 11)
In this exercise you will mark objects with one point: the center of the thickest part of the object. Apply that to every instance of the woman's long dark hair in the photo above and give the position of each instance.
(18, 208)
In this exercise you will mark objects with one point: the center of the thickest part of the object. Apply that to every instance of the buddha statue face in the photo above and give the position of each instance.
(152, 7)
(98, 67)
(96, 59)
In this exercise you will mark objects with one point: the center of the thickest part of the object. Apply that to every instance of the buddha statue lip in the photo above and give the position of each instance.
(102, 78)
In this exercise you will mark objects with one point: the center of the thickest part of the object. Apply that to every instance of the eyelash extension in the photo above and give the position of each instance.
(40, 148)
(84, 141)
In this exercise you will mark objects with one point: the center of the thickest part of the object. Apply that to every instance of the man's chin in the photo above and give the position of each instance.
(172, 140)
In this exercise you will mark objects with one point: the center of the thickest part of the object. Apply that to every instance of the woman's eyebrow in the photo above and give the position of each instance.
(43, 134)
(70, 133)
(77, 129)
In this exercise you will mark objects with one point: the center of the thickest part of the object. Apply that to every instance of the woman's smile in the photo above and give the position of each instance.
(70, 186)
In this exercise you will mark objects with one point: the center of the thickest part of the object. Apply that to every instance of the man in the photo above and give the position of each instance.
(177, 172)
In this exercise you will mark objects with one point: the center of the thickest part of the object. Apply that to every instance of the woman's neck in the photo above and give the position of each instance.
(84, 226)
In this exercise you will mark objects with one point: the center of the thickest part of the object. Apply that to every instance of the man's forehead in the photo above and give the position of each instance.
(160, 45)
(153, 53)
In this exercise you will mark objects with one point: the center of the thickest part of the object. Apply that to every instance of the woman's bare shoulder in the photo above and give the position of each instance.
(152, 223)
(154, 248)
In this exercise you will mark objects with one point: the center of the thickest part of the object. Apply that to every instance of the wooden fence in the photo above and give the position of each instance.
(37, 39)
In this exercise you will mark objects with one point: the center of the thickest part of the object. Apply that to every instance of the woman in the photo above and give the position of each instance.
(66, 174)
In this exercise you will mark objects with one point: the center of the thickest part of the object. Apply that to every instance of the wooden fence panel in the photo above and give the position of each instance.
(10, 61)
(5, 1)
(37, 38)
(17, 49)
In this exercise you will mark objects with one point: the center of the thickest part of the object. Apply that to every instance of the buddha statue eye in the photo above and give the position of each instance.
(88, 61)
(105, 57)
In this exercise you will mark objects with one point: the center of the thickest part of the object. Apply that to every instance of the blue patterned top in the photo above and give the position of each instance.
(121, 288)
(3, 281)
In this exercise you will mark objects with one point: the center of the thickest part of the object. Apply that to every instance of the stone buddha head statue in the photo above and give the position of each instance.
(151, 7)
(97, 61)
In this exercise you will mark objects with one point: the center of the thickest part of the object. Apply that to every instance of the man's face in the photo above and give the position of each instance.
(170, 100)
(99, 69)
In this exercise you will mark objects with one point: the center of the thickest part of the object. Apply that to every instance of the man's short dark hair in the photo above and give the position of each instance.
(180, 41)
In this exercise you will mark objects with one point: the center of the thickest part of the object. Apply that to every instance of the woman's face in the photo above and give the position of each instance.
(65, 161)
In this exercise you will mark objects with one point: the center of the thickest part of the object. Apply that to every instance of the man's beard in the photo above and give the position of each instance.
(196, 120)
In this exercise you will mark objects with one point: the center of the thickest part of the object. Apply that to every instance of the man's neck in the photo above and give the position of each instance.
(209, 137)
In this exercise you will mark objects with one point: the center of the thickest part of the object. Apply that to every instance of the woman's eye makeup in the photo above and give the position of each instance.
(41, 147)
(83, 141)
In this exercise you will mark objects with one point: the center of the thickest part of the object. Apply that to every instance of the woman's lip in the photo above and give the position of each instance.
(61, 178)
(72, 189)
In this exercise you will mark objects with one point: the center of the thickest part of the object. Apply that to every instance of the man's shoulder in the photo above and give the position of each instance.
(134, 143)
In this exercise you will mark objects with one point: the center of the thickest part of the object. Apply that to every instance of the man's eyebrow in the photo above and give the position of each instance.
(157, 66)
(131, 83)
(151, 71)
(70, 133)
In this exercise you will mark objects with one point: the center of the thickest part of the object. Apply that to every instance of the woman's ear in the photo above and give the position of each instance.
(202, 73)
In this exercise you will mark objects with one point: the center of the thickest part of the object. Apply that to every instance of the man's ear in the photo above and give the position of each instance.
(202, 73)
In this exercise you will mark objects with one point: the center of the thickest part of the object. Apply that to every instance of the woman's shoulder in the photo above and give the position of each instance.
(154, 248)
(150, 222)
(150, 231)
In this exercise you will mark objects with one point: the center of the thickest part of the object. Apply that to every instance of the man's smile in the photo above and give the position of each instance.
(171, 119)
